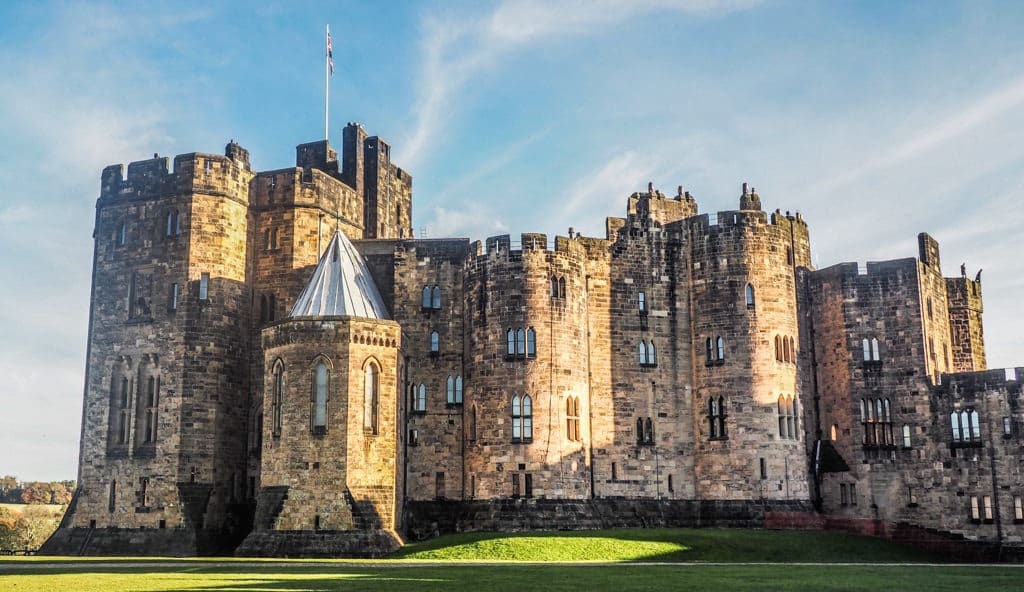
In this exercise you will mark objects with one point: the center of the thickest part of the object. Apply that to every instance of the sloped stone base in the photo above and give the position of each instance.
(167, 542)
(311, 543)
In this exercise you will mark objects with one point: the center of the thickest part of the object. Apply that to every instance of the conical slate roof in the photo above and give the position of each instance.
(340, 286)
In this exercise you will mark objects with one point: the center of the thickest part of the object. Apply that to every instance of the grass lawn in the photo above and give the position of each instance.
(412, 568)
(478, 578)
(664, 544)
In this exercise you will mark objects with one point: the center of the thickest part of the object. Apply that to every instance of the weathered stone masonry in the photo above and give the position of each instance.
(685, 368)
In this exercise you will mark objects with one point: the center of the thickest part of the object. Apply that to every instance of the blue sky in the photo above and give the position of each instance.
(876, 120)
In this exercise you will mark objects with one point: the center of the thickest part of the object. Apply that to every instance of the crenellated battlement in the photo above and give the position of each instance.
(154, 177)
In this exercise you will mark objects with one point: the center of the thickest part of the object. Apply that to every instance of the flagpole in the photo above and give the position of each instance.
(327, 86)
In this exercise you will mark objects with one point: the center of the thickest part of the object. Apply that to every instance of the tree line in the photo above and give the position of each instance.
(30, 519)
(13, 491)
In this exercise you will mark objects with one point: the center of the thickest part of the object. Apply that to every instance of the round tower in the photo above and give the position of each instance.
(527, 395)
(747, 391)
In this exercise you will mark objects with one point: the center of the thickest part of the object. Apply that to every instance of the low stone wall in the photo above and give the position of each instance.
(425, 519)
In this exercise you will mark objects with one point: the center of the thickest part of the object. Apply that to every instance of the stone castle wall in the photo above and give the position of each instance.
(683, 360)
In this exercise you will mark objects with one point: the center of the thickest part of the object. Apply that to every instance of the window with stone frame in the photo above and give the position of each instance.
(749, 293)
(906, 436)
(419, 398)
(120, 409)
(172, 226)
(871, 352)
(648, 354)
(716, 418)
(966, 427)
(435, 343)
(520, 343)
(720, 349)
(454, 390)
(371, 398)
(318, 399)
(277, 399)
(112, 496)
(522, 419)
(975, 509)
(1018, 509)
(572, 419)
(146, 414)
(435, 298)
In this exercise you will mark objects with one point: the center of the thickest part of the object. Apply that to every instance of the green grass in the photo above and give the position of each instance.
(477, 578)
(411, 569)
(664, 544)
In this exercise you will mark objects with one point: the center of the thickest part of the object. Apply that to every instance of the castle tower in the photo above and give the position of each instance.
(747, 350)
(328, 475)
(966, 334)
(160, 457)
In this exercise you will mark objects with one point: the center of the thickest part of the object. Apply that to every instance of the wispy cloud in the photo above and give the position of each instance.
(456, 50)
(602, 191)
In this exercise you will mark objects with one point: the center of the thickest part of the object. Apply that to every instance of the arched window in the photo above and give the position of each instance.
(458, 390)
(720, 344)
(790, 418)
(173, 227)
(371, 399)
(435, 342)
(867, 350)
(451, 390)
(792, 350)
(421, 398)
(639, 430)
(554, 286)
(721, 418)
(561, 287)
(716, 418)
(750, 295)
(954, 420)
(276, 400)
(124, 405)
(520, 342)
(648, 431)
(435, 299)
(426, 297)
(778, 349)
(531, 342)
(319, 399)
(782, 417)
(511, 337)
(709, 350)
(835, 432)
(641, 300)
(652, 354)
(572, 419)
(975, 426)
(906, 436)
(874, 350)
(522, 419)
(149, 411)
(642, 348)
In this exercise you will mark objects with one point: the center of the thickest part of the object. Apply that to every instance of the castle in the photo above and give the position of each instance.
(276, 366)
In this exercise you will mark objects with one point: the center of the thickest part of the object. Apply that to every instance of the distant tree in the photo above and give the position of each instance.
(59, 493)
(36, 493)
(34, 526)
(7, 483)
(8, 529)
